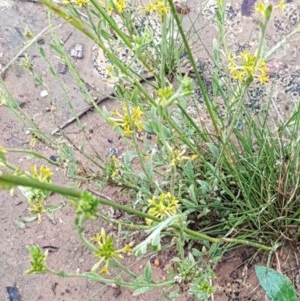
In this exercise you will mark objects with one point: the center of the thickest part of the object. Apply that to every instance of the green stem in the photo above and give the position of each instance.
(178, 130)
(98, 278)
(28, 182)
(125, 269)
(80, 232)
(32, 153)
(198, 78)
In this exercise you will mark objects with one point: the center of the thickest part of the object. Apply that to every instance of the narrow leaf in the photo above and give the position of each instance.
(148, 272)
(141, 290)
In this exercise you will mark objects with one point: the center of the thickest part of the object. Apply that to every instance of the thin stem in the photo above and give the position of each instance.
(22, 181)
(32, 153)
(98, 278)
(199, 80)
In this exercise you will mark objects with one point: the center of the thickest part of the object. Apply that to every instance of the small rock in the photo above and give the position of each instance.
(62, 68)
(13, 293)
(44, 93)
(112, 152)
(116, 291)
(157, 262)
(53, 158)
(40, 41)
(76, 51)
(16, 142)
(21, 103)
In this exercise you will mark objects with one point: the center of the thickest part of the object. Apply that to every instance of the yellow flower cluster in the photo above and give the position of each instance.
(164, 205)
(165, 93)
(261, 7)
(43, 175)
(37, 197)
(246, 65)
(106, 251)
(114, 166)
(130, 121)
(117, 6)
(178, 156)
(159, 6)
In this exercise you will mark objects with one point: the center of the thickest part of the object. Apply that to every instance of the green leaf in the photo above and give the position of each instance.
(20, 224)
(38, 258)
(154, 238)
(29, 219)
(105, 35)
(277, 286)
(92, 276)
(42, 52)
(213, 149)
(148, 272)
(141, 290)
(2, 156)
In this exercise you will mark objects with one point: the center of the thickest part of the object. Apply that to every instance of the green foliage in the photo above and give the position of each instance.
(86, 206)
(38, 260)
(277, 286)
(229, 178)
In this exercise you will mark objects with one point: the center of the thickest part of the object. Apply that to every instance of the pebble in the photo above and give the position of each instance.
(44, 93)
(13, 293)
(40, 41)
(53, 158)
(112, 152)
(76, 51)
(61, 68)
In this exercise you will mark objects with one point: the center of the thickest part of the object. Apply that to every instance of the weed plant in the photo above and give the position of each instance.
(194, 175)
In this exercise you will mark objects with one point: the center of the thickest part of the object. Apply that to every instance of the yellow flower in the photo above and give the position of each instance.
(130, 121)
(178, 157)
(162, 8)
(81, 2)
(120, 5)
(165, 93)
(162, 206)
(281, 5)
(151, 7)
(159, 6)
(262, 70)
(117, 6)
(246, 65)
(36, 206)
(105, 250)
(261, 8)
(114, 163)
(44, 174)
